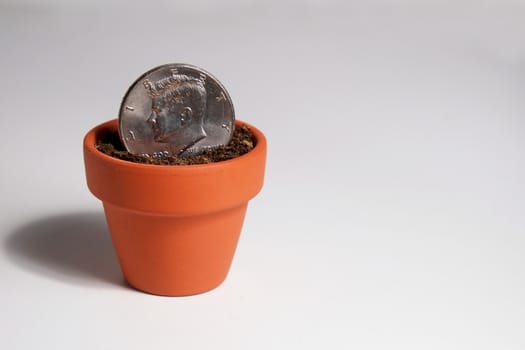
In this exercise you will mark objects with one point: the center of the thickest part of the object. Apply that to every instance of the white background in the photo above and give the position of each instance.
(392, 215)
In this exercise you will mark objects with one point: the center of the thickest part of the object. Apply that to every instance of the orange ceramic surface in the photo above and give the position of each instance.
(174, 228)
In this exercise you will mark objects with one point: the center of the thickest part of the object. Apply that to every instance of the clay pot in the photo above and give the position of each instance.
(175, 228)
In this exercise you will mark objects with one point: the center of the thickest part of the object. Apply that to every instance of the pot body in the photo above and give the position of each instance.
(175, 228)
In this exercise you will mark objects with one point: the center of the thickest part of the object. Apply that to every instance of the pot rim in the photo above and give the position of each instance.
(200, 188)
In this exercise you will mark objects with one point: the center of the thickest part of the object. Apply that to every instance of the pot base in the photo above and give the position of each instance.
(174, 256)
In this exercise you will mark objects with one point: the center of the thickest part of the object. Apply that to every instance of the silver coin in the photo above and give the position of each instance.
(175, 109)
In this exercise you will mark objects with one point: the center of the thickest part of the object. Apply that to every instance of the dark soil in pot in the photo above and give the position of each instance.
(242, 142)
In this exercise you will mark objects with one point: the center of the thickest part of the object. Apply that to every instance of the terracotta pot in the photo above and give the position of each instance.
(175, 228)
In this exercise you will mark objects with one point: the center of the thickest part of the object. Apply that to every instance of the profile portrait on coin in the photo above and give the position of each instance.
(178, 108)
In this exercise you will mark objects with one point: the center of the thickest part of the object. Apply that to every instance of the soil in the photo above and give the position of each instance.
(242, 142)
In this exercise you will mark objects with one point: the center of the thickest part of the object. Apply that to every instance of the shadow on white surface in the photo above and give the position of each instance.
(75, 248)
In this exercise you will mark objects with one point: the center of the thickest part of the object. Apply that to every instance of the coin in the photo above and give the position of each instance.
(175, 109)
